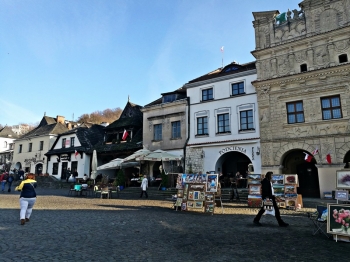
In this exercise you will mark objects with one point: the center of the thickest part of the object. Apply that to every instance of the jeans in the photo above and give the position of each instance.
(26, 205)
(3, 183)
(144, 191)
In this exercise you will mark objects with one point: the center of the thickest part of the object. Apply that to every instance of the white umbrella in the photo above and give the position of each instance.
(139, 153)
(114, 164)
(94, 165)
(159, 155)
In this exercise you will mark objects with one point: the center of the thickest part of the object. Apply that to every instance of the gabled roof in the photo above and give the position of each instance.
(87, 137)
(7, 132)
(46, 120)
(230, 69)
(130, 117)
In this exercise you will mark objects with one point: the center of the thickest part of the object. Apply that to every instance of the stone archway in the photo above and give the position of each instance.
(294, 163)
(39, 169)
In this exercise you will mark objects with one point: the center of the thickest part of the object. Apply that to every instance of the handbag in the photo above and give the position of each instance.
(268, 206)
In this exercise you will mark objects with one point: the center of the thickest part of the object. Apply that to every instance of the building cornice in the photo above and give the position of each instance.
(222, 78)
(226, 142)
(164, 105)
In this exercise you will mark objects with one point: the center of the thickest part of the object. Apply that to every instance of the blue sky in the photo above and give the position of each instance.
(69, 57)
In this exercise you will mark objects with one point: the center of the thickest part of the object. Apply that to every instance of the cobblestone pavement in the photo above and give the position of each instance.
(66, 228)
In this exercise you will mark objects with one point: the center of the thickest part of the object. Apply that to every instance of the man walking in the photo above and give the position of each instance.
(144, 186)
(68, 173)
(267, 193)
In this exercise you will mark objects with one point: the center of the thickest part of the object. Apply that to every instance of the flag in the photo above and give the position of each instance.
(315, 152)
(328, 158)
(125, 135)
(76, 153)
(222, 49)
(281, 18)
(308, 157)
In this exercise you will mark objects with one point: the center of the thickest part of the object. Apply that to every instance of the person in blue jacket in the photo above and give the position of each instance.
(27, 198)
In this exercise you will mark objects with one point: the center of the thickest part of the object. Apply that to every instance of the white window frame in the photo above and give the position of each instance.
(246, 107)
(222, 111)
(206, 88)
(199, 114)
(236, 82)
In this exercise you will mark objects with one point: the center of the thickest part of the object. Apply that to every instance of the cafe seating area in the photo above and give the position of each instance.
(98, 190)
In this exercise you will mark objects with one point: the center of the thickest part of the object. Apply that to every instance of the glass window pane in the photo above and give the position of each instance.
(325, 103)
(336, 113)
(335, 101)
(299, 107)
(290, 108)
(291, 119)
(300, 118)
(326, 114)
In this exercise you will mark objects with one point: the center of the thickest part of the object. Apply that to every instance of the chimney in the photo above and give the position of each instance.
(60, 119)
(69, 125)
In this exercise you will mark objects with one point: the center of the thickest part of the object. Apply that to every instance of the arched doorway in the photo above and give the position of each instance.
(347, 160)
(230, 163)
(38, 169)
(294, 163)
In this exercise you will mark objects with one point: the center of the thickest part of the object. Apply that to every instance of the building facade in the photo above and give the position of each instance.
(165, 124)
(7, 138)
(303, 91)
(224, 121)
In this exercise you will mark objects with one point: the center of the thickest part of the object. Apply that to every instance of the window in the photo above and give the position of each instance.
(55, 168)
(72, 141)
(303, 68)
(41, 146)
(157, 136)
(176, 129)
(20, 149)
(331, 108)
(223, 123)
(30, 147)
(63, 142)
(202, 125)
(238, 88)
(169, 98)
(207, 94)
(295, 112)
(74, 166)
(246, 120)
(343, 58)
(5, 144)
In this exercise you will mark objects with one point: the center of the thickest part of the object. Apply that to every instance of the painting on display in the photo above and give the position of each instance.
(291, 179)
(342, 195)
(277, 179)
(278, 190)
(254, 201)
(190, 204)
(212, 183)
(198, 204)
(179, 183)
(291, 203)
(193, 178)
(178, 202)
(209, 197)
(254, 189)
(209, 207)
(196, 195)
(290, 189)
(184, 206)
(343, 179)
(190, 195)
(254, 179)
(338, 219)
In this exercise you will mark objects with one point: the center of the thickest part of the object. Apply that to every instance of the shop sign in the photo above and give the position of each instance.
(233, 148)
(65, 157)
(29, 160)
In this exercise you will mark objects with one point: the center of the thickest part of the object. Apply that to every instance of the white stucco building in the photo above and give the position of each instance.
(224, 123)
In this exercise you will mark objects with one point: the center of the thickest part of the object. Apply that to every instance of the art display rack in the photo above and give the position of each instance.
(335, 226)
(285, 190)
(197, 192)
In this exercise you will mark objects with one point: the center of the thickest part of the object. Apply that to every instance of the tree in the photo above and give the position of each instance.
(97, 117)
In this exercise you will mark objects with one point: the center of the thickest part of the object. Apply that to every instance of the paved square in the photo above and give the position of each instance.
(66, 228)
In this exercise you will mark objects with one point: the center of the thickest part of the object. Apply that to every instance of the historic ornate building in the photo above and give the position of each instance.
(303, 91)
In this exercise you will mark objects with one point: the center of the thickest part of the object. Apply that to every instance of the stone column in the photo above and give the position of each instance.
(310, 57)
(331, 53)
(291, 60)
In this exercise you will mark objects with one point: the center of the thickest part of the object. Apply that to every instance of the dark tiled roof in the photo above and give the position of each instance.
(46, 120)
(56, 129)
(133, 145)
(7, 132)
(87, 137)
(126, 121)
(224, 71)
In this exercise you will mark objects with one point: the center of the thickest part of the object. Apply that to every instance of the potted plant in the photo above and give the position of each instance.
(120, 180)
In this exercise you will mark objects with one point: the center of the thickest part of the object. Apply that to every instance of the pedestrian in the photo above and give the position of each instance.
(68, 174)
(3, 180)
(27, 198)
(144, 185)
(9, 181)
(75, 175)
(21, 174)
(268, 194)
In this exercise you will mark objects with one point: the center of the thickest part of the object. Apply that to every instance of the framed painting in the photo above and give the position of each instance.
(342, 195)
(337, 213)
(278, 189)
(190, 204)
(196, 195)
(198, 204)
(209, 197)
(184, 206)
(209, 208)
(254, 201)
(343, 179)
(277, 179)
(290, 189)
(254, 179)
(282, 204)
(190, 195)
(178, 202)
(180, 193)
(201, 196)
(291, 179)
(212, 183)
(291, 203)
(254, 189)
(179, 182)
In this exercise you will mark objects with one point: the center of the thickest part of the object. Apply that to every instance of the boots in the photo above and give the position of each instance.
(23, 221)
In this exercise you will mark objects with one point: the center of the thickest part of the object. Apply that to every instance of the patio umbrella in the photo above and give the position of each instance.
(113, 164)
(139, 153)
(94, 165)
(159, 155)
